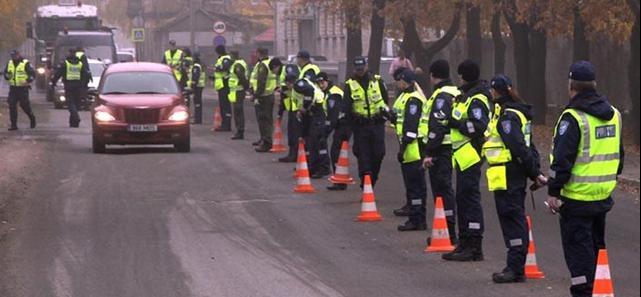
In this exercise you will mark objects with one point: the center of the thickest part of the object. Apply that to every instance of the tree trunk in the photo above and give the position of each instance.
(633, 76)
(581, 44)
(411, 44)
(537, 88)
(377, 25)
(354, 34)
(521, 40)
(473, 36)
(499, 44)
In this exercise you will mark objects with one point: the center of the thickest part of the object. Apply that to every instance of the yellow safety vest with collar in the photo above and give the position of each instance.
(18, 76)
(496, 152)
(465, 155)
(368, 103)
(174, 61)
(334, 90)
(234, 81)
(190, 75)
(270, 84)
(307, 68)
(220, 76)
(452, 90)
(412, 151)
(202, 79)
(73, 71)
(594, 175)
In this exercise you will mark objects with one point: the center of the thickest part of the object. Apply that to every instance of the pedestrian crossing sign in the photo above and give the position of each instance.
(138, 35)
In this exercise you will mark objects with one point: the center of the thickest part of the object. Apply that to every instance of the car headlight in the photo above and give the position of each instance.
(179, 116)
(63, 98)
(41, 70)
(103, 116)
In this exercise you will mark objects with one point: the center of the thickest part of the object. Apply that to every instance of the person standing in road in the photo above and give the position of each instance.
(74, 74)
(289, 105)
(438, 149)
(188, 75)
(411, 113)
(19, 74)
(512, 159)
(238, 84)
(199, 81)
(366, 97)
(586, 158)
(470, 117)
(263, 84)
(308, 69)
(221, 84)
(173, 58)
(336, 121)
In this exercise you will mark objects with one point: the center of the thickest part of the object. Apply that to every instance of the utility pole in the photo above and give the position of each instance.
(192, 37)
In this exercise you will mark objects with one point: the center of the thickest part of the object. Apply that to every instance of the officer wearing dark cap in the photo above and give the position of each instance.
(19, 74)
(311, 102)
(366, 97)
(337, 121)
(438, 149)
(468, 125)
(308, 69)
(288, 73)
(512, 158)
(411, 129)
(586, 158)
(173, 58)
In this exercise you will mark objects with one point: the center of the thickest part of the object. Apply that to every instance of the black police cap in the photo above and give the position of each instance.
(582, 71)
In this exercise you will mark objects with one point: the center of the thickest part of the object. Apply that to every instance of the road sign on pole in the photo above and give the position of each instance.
(220, 28)
(138, 34)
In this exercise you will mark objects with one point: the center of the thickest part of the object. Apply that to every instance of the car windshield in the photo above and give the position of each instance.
(96, 69)
(141, 82)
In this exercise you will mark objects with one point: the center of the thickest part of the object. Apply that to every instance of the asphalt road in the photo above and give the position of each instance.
(223, 221)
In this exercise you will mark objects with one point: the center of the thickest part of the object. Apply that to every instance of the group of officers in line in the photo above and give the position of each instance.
(451, 132)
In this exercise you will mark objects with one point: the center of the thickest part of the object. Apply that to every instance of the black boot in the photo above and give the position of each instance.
(238, 136)
(320, 174)
(507, 276)
(264, 148)
(288, 159)
(337, 187)
(412, 226)
(403, 211)
(13, 128)
(257, 143)
(469, 249)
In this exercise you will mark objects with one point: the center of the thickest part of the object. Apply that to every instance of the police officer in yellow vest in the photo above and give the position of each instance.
(173, 58)
(19, 74)
(221, 84)
(308, 69)
(586, 159)
(337, 121)
(263, 84)
(468, 123)
(238, 84)
(187, 80)
(289, 105)
(411, 129)
(438, 149)
(74, 75)
(198, 82)
(366, 97)
(512, 158)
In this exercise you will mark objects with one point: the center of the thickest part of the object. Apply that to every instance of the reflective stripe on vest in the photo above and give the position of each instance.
(412, 151)
(460, 113)
(270, 84)
(220, 76)
(18, 74)
(73, 71)
(368, 103)
(308, 67)
(452, 90)
(594, 174)
(494, 149)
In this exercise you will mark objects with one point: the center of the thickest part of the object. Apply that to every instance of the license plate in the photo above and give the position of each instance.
(142, 128)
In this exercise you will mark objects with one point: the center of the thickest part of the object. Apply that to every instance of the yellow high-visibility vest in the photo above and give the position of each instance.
(18, 76)
(412, 151)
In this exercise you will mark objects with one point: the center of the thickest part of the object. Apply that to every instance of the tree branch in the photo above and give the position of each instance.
(440, 44)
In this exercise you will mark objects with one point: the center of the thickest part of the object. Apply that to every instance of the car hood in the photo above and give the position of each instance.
(141, 100)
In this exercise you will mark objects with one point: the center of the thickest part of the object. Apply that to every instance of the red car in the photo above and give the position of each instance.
(140, 103)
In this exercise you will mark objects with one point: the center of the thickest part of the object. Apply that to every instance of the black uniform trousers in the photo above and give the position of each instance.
(198, 105)
(294, 132)
(18, 96)
(342, 133)
(582, 237)
(225, 108)
(74, 96)
(239, 111)
(265, 115)
(369, 149)
(510, 208)
(316, 143)
(415, 190)
(441, 182)
(468, 202)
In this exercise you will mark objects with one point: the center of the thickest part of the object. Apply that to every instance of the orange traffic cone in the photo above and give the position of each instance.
(218, 119)
(341, 176)
(369, 213)
(278, 146)
(440, 234)
(303, 182)
(531, 267)
(602, 279)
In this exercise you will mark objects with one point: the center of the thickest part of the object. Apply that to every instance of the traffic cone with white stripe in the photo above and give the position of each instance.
(342, 176)
(369, 213)
(303, 182)
(531, 267)
(218, 119)
(278, 146)
(602, 279)
(440, 241)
